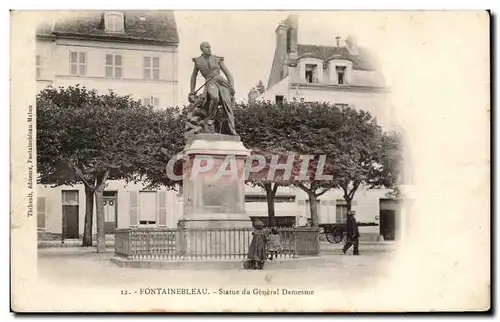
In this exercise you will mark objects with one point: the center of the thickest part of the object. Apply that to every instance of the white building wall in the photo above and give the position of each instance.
(55, 71)
(56, 68)
(281, 88)
(53, 202)
(376, 103)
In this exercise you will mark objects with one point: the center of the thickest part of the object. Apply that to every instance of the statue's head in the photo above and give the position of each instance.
(205, 48)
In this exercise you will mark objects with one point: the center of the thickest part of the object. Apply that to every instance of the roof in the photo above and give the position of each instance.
(363, 61)
(156, 26)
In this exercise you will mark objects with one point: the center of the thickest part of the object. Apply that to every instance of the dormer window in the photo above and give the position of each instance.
(341, 71)
(114, 22)
(311, 73)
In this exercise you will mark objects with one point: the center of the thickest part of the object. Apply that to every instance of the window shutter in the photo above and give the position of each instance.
(332, 211)
(146, 67)
(162, 208)
(133, 208)
(40, 213)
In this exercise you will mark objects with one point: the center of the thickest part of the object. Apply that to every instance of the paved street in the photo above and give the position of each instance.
(86, 266)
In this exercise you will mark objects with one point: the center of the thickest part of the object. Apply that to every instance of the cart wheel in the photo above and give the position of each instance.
(338, 238)
(330, 237)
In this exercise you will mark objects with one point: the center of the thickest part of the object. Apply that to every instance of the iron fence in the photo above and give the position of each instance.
(147, 243)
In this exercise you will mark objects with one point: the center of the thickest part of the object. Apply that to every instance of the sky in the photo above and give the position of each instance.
(247, 40)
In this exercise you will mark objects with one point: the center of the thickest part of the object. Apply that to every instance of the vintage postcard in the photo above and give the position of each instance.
(250, 161)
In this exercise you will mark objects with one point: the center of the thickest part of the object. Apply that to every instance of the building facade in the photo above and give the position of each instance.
(342, 73)
(345, 74)
(132, 53)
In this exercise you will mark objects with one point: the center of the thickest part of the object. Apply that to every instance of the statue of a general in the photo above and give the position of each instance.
(219, 91)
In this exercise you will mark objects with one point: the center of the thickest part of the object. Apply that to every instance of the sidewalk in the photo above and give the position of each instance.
(89, 256)
(72, 250)
(70, 243)
(326, 248)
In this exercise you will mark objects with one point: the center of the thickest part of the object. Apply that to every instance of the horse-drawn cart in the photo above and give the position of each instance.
(334, 233)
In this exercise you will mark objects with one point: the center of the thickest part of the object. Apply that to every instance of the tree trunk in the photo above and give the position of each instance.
(99, 201)
(89, 212)
(313, 206)
(101, 235)
(348, 202)
(349, 195)
(270, 194)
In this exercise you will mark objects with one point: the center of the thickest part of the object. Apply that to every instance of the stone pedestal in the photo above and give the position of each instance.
(214, 196)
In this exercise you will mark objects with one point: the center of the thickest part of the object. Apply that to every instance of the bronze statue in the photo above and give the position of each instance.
(203, 110)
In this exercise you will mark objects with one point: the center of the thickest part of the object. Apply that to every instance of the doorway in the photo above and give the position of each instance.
(70, 211)
(389, 218)
(387, 224)
(110, 211)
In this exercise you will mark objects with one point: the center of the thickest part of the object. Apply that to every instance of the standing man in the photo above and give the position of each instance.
(352, 233)
(218, 90)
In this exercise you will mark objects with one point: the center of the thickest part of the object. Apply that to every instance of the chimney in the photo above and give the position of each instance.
(293, 24)
(338, 41)
(281, 39)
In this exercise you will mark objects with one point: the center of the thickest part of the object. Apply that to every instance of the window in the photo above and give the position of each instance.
(147, 207)
(263, 198)
(341, 211)
(78, 63)
(113, 66)
(340, 74)
(70, 197)
(311, 76)
(38, 66)
(279, 99)
(281, 221)
(114, 23)
(151, 101)
(341, 105)
(41, 213)
(151, 66)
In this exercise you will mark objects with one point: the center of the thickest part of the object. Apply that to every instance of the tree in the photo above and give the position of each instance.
(389, 174)
(283, 130)
(277, 179)
(363, 155)
(257, 125)
(162, 140)
(84, 137)
(260, 87)
(346, 144)
(315, 136)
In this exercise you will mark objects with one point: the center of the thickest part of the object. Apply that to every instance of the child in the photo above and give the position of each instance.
(274, 243)
(257, 249)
